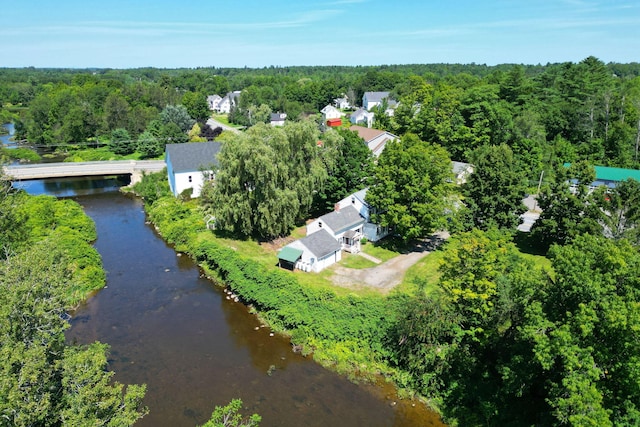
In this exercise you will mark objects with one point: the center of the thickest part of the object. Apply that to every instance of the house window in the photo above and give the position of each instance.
(190, 179)
(353, 200)
(319, 224)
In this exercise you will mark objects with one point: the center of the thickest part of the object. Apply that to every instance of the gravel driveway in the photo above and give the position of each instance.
(387, 275)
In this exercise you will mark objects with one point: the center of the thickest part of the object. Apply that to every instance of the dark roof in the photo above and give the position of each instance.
(321, 243)
(276, 117)
(376, 96)
(343, 219)
(289, 254)
(192, 156)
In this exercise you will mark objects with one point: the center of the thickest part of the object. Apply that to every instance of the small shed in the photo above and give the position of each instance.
(334, 122)
(288, 257)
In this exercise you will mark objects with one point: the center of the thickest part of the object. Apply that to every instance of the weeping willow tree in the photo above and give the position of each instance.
(267, 177)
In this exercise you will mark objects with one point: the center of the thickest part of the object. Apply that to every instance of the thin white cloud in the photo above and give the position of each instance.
(155, 29)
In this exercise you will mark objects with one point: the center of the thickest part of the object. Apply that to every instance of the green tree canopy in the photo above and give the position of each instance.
(494, 191)
(42, 380)
(178, 115)
(567, 208)
(121, 142)
(350, 172)
(412, 187)
(266, 179)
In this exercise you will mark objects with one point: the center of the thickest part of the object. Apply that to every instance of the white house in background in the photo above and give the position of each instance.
(226, 103)
(190, 164)
(376, 139)
(461, 171)
(371, 231)
(330, 112)
(277, 119)
(213, 101)
(362, 116)
(373, 99)
(314, 253)
(342, 103)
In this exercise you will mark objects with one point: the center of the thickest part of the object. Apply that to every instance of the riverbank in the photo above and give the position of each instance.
(340, 328)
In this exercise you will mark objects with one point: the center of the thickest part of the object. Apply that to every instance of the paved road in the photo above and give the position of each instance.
(214, 124)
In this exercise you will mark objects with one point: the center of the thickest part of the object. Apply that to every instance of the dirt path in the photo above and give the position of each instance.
(387, 275)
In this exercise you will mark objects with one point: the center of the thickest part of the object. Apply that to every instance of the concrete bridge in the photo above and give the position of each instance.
(135, 168)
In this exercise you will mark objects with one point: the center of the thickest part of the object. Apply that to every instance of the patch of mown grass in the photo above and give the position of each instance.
(355, 261)
(378, 251)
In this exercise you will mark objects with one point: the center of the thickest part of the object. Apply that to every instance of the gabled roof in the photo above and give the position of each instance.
(376, 96)
(276, 117)
(330, 108)
(360, 112)
(213, 97)
(192, 156)
(342, 219)
(369, 134)
(231, 96)
(459, 167)
(321, 243)
(361, 195)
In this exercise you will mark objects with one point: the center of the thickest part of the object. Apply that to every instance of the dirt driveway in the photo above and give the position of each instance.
(386, 275)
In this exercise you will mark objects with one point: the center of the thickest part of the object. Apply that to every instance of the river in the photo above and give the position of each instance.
(5, 138)
(174, 330)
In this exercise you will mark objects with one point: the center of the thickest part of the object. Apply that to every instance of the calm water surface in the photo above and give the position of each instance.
(172, 329)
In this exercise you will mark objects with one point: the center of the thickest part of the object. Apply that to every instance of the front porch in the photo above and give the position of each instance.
(351, 241)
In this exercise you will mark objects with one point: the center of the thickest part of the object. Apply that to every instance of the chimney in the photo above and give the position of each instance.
(336, 207)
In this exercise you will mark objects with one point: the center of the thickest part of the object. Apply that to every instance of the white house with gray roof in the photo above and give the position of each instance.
(190, 164)
(213, 101)
(362, 116)
(314, 253)
(373, 99)
(344, 224)
(371, 231)
(230, 99)
(340, 230)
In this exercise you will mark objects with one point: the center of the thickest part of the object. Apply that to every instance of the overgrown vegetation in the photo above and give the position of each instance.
(47, 265)
(489, 335)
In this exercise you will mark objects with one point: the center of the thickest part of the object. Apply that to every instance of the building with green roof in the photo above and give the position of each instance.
(610, 176)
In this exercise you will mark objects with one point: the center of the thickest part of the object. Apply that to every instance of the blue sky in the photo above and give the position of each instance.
(233, 33)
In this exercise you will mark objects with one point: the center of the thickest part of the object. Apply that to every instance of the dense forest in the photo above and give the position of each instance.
(498, 337)
(545, 113)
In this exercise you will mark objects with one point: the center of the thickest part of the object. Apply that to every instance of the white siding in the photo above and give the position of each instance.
(183, 182)
(309, 262)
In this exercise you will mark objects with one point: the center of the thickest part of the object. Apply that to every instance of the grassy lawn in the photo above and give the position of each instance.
(379, 251)
(355, 261)
(224, 119)
(424, 272)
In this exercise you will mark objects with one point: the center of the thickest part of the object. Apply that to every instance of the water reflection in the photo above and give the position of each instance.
(5, 138)
(69, 187)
